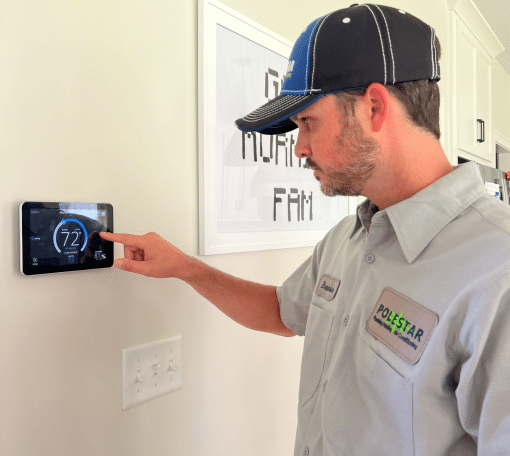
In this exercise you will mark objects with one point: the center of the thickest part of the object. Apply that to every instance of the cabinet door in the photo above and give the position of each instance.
(465, 70)
(483, 102)
(473, 94)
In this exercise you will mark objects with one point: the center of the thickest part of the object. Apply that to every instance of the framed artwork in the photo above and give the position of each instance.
(255, 194)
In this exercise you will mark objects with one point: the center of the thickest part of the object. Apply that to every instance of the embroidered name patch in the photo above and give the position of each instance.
(327, 287)
(402, 325)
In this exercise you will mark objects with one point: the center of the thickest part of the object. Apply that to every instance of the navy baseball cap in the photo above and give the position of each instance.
(348, 49)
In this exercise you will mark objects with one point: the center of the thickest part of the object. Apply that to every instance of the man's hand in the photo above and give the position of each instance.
(251, 304)
(149, 255)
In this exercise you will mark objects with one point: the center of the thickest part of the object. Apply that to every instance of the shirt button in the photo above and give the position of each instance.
(306, 452)
(346, 320)
(372, 367)
(370, 258)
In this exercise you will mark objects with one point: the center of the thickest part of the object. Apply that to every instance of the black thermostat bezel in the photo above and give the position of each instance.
(40, 223)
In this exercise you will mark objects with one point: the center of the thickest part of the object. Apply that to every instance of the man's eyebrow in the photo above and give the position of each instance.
(299, 115)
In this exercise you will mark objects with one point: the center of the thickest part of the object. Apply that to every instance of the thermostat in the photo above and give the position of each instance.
(60, 237)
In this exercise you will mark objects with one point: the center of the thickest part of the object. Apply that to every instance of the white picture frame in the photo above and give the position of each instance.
(238, 172)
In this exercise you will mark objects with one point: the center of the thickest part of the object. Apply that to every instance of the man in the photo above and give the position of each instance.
(405, 306)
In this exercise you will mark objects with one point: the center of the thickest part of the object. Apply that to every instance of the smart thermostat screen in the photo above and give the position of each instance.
(58, 237)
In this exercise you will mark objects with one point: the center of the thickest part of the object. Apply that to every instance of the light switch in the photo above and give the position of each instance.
(150, 370)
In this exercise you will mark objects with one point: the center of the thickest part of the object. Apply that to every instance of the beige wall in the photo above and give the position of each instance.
(98, 103)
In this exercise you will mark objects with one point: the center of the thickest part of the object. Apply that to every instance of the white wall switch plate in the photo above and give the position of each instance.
(150, 370)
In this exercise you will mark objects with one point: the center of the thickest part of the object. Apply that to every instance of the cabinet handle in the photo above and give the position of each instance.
(482, 131)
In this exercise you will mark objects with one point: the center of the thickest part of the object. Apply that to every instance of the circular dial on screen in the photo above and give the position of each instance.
(70, 235)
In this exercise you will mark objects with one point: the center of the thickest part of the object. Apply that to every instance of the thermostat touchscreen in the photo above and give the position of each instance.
(59, 237)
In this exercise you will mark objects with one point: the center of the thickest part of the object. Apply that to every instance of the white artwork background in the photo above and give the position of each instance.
(261, 184)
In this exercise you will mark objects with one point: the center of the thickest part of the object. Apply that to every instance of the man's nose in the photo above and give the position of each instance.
(302, 148)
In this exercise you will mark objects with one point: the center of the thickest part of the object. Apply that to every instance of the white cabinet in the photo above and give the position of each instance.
(473, 94)
(474, 46)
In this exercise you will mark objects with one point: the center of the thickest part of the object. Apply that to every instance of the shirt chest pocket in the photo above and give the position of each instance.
(371, 410)
(318, 329)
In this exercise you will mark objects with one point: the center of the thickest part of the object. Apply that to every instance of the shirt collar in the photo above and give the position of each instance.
(417, 220)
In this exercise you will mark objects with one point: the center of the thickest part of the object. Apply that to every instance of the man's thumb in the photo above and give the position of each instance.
(137, 267)
(120, 263)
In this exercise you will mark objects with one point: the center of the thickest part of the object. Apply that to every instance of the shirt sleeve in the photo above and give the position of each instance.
(483, 392)
(295, 294)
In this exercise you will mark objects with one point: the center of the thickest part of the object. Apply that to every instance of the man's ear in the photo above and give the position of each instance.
(377, 98)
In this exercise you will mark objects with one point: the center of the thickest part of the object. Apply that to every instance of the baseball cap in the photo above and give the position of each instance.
(348, 49)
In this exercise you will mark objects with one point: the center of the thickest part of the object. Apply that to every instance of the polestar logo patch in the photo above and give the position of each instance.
(402, 325)
(327, 287)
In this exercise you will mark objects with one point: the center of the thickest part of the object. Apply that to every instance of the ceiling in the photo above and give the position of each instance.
(497, 14)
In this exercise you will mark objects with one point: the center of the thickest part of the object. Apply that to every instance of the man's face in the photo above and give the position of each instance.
(335, 146)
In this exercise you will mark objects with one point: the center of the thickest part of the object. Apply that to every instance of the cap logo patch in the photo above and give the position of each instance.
(402, 325)
(290, 68)
(327, 287)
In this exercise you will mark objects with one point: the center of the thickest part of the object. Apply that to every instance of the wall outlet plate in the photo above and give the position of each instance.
(150, 370)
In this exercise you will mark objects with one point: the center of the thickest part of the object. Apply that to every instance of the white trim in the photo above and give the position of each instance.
(472, 17)
(382, 44)
(323, 19)
(433, 52)
(501, 140)
(389, 39)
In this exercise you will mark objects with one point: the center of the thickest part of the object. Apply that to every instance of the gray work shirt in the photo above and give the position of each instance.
(436, 383)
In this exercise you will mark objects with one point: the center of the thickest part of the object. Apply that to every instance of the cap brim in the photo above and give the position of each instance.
(273, 117)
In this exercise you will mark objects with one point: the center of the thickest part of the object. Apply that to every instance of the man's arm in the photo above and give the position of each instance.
(250, 304)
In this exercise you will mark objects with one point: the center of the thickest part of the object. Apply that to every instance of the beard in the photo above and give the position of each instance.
(351, 179)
